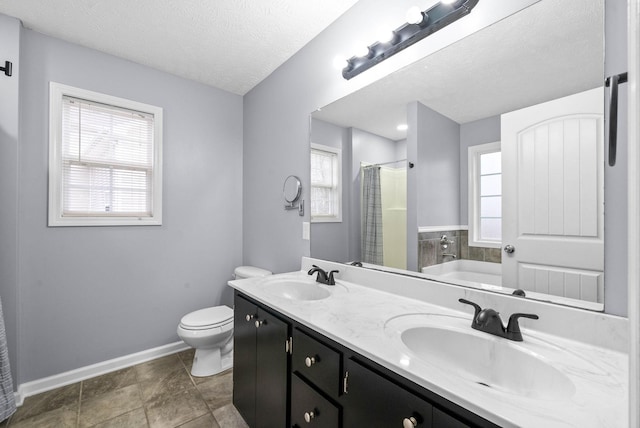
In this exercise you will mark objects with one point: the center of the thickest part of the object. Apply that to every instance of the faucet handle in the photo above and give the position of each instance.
(330, 279)
(476, 307)
(513, 328)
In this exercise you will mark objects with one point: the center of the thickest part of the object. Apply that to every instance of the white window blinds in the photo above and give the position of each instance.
(325, 184)
(105, 160)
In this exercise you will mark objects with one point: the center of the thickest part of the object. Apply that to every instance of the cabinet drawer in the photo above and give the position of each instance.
(316, 362)
(309, 408)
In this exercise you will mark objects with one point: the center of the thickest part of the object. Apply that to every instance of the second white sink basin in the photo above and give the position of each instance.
(489, 361)
(525, 369)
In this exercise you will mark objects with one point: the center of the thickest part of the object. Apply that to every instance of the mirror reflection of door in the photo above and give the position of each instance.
(553, 210)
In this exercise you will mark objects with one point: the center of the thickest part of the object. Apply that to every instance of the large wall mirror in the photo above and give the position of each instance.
(481, 165)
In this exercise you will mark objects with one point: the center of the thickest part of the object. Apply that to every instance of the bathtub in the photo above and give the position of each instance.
(485, 274)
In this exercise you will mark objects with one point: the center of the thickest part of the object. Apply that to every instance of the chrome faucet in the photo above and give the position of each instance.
(323, 277)
(488, 321)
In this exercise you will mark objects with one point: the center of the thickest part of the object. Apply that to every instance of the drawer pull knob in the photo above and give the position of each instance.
(309, 361)
(258, 323)
(409, 422)
(249, 317)
(308, 416)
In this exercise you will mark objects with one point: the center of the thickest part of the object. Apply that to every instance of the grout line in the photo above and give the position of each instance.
(144, 404)
(79, 404)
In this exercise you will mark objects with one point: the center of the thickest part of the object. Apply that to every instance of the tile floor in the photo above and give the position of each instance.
(157, 394)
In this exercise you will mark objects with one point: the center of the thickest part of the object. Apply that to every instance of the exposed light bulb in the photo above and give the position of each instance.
(414, 15)
(362, 50)
(385, 35)
(339, 62)
(402, 127)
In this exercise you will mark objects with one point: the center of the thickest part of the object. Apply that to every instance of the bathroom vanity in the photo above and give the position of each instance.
(331, 385)
(349, 355)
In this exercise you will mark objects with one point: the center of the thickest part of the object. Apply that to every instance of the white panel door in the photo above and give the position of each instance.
(553, 188)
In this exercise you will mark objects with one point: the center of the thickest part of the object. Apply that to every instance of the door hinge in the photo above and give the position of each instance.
(345, 383)
(288, 346)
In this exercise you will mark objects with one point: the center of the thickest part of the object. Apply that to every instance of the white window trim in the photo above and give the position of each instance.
(56, 92)
(337, 218)
(474, 193)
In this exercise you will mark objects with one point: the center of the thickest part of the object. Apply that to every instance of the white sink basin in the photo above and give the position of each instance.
(296, 289)
(524, 369)
(489, 361)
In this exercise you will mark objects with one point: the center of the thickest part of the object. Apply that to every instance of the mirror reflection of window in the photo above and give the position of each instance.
(485, 204)
(326, 188)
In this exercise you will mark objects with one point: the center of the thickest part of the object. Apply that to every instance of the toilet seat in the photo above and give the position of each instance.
(207, 318)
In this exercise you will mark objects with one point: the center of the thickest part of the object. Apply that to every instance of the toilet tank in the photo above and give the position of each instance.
(242, 272)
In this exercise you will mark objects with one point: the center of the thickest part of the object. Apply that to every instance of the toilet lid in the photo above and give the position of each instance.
(208, 317)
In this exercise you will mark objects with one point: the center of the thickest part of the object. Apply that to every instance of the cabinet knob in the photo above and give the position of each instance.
(249, 317)
(309, 361)
(258, 323)
(308, 416)
(409, 422)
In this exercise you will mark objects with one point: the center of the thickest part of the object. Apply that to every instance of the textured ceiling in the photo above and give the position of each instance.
(229, 44)
(550, 49)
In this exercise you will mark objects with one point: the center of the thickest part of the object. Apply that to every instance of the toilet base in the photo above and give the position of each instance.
(208, 362)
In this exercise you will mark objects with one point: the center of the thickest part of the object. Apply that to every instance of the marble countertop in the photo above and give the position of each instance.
(369, 322)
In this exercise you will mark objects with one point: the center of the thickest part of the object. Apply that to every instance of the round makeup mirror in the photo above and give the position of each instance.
(291, 190)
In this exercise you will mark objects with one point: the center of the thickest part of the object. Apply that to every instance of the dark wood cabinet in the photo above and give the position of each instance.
(311, 408)
(323, 383)
(261, 368)
(374, 401)
(316, 362)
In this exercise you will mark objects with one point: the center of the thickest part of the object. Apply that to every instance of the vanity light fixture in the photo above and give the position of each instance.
(419, 25)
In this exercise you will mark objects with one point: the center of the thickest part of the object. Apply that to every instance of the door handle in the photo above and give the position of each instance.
(509, 249)
(613, 82)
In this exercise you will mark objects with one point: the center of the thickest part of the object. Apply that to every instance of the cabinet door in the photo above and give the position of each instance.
(272, 371)
(374, 401)
(244, 359)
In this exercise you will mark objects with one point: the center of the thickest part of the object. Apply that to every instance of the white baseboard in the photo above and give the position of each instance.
(67, 378)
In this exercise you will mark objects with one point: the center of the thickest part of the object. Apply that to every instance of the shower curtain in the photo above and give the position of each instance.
(371, 216)
(7, 398)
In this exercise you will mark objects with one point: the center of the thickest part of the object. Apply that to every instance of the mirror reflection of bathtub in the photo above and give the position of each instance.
(488, 276)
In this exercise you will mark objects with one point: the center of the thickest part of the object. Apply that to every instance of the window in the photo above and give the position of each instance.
(105, 160)
(485, 195)
(326, 188)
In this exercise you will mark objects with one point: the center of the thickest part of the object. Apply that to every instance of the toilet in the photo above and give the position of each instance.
(210, 332)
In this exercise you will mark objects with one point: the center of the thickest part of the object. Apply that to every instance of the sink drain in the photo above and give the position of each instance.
(483, 384)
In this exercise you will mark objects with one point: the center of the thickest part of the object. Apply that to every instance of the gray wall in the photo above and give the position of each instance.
(472, 134)
(89, 294)
(331, 240)
(9, 137)
(437, 169)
